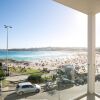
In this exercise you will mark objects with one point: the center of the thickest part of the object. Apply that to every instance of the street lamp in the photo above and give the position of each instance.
(7, 27)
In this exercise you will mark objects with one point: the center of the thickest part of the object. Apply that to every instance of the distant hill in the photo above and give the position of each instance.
(48, 49)
(51, 49)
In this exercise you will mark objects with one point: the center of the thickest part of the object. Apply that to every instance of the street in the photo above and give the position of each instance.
(66, 94)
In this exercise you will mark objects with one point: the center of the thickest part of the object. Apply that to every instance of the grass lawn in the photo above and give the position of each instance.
(30, 71)
(24, 70)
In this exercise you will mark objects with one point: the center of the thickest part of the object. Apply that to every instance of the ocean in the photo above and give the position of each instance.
(33, 55)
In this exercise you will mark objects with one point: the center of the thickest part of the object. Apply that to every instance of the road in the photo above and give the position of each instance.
(64, 94)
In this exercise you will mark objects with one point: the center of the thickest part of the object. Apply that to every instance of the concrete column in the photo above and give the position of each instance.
(91, 53)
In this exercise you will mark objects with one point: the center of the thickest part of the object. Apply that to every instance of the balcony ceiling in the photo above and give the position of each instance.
(85, 6)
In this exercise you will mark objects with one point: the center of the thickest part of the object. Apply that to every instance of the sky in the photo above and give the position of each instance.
(43, 23)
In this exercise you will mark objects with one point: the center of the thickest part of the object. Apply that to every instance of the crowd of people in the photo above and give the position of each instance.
(78, 60)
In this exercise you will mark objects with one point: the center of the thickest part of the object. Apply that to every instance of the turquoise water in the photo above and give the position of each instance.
(33, 55)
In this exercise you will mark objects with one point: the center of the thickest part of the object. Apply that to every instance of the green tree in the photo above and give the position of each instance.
(2, 74)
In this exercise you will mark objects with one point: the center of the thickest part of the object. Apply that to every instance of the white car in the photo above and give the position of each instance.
(27, 87)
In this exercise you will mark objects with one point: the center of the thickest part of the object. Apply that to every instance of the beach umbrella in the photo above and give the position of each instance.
(89, 7)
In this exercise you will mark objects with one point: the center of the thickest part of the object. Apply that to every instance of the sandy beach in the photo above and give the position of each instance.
(78, 60)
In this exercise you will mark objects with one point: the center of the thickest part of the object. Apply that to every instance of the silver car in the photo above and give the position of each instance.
(27, 87)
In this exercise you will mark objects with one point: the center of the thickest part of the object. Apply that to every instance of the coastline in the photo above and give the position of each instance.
(49, 63)
(78, 60)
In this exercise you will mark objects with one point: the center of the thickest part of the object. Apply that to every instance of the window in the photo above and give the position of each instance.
(30, 86)
(25, 86)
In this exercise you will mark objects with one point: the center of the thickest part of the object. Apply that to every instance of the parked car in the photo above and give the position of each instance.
(79, 81)
(85, 78)
(65, 82)
(27, 87)
(97, 77)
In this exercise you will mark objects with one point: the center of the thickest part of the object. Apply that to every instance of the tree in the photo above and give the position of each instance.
(2, 74)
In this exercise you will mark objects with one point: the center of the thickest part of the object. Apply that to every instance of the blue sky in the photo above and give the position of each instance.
(42, 23)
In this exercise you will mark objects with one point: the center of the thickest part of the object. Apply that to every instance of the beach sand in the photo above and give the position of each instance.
(78, 60)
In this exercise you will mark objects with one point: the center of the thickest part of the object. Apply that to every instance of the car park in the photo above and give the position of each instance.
(27, 87)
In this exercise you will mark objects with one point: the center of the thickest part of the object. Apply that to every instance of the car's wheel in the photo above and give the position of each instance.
(37, 90)
(21, 93)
